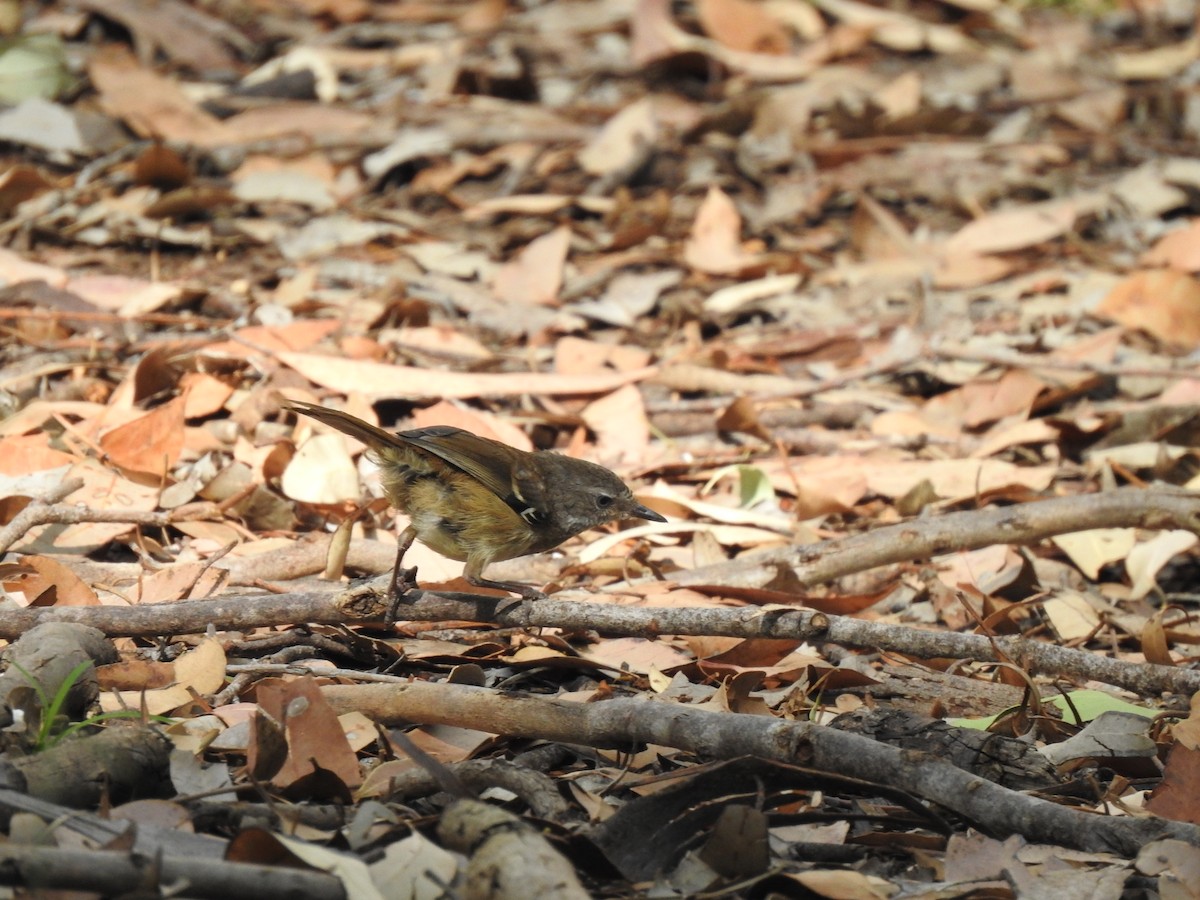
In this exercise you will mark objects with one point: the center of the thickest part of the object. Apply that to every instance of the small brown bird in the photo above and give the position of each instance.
(477, 500)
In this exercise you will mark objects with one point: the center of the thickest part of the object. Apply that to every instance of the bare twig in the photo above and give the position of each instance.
(114, 873)
(370, 603)
(1025, 523)
(49, 510)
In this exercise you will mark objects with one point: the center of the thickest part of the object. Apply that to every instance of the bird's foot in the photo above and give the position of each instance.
(404, 581)
(527, 593)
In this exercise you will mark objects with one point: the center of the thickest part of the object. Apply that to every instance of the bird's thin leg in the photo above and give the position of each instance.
(403, 580)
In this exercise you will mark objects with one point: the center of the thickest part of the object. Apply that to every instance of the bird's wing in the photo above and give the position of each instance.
(498, 467)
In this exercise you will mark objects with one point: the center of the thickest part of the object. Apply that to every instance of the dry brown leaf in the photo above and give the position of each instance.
(535, 276)
(990, 401)
(48, 582)
(475, 421)
(315, 120)
(1175, 796)
(715, 245)
(1013, 229)
(620, 424)
(1005, 435)
(1096, 111)
(18, 184)
(181, 581)
(742, 25)
(14, 269)
(204, 395)
(577, 356)
(968, 270)
(150, 444)
(20, 455)
(1180, 249)
(128, 297)
(1155, 646)
(314, 735)
(1163, 302)
(635, 655)
(151, 105)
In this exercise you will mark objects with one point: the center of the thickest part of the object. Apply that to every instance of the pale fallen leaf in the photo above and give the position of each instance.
(1014, 229)
(844, 885)
(202, 668)
(128, 297)
(1111, 735)
(628, 297)
(730, 299)
(321, 472)
(714, 245)
(1157, 64)
(1147, 559)
(621, 141)
(896, 29)
(1092, 550)
(14, 268)
(1004, 435)
(534, 205)
(383, 381)
(1072, 617)
(726, 535)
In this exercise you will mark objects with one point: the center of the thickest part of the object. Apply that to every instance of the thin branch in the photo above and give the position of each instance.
(935, 535)
(726, 735)
(114, 873)
(369, 603)
(49, 510)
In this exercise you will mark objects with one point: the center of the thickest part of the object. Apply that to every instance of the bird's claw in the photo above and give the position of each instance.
(404, 581)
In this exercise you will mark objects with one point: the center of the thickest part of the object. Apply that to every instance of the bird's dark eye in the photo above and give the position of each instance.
(604, 501)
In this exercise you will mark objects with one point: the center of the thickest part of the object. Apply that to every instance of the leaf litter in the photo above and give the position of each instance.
(797, 272)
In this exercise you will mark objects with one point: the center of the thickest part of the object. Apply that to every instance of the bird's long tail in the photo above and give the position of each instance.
(369, 434)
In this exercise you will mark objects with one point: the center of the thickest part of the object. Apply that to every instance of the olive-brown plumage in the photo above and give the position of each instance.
(477, 500)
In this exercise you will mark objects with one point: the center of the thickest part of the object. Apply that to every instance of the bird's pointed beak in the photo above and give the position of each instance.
(638, 511)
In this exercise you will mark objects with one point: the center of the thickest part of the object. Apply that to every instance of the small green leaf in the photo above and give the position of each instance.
(1089, 704)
